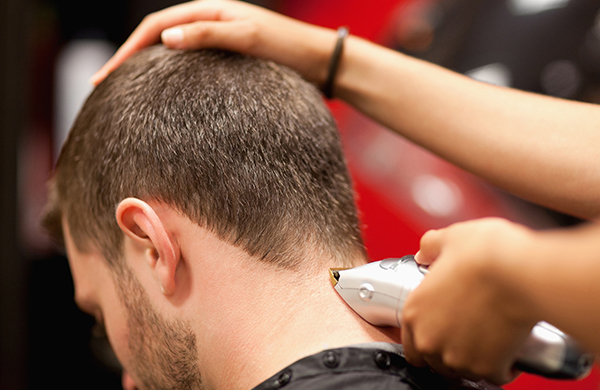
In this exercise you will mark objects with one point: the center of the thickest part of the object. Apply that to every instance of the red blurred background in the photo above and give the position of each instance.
(402, 189)
(394, 178)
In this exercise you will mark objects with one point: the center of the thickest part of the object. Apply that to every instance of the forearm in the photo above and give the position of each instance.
(540, 148)
(559, 277)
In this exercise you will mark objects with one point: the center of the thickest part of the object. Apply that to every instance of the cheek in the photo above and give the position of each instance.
(118, 335)
(115, 322)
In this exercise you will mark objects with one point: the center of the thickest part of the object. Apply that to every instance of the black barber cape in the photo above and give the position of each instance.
(377, 366)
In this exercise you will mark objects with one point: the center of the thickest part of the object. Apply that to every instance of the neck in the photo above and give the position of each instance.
(275, 318)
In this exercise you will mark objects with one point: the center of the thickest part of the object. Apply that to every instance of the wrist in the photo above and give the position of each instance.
(374, 79)
(561, 273)
(356, 67)
(314, 53)
(514, 271)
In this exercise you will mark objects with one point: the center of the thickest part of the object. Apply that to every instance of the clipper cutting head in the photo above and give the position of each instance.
(334, 275)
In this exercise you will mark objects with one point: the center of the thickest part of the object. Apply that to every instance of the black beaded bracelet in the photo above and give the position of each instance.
(342, 33)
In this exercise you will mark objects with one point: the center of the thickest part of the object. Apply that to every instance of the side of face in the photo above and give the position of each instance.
(96, 294)
(158, 353)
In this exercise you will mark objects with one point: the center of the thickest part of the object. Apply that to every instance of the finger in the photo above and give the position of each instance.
(410, 353)
(435, 363)
(513, 374)
(233, 36)
(149, 30)
(502, 376)
(431, 245)
(499, 379)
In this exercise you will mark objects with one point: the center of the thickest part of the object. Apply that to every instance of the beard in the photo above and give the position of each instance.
(163, 352)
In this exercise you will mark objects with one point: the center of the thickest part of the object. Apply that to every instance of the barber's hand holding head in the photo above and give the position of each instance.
(236, 26)
(467, 318)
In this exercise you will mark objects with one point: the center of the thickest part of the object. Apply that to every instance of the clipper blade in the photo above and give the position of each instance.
(334, 275)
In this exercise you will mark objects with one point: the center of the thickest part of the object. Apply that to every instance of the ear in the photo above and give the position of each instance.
(139, 221)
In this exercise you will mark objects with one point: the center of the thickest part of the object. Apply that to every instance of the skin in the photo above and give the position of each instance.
(188, 284)
(472, 265)
(141, 337)
(504, 277)
(500, 276)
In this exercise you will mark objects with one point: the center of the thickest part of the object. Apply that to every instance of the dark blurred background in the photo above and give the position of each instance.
(50, 48)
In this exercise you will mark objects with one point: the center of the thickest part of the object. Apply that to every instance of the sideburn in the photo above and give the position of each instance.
(163, 352)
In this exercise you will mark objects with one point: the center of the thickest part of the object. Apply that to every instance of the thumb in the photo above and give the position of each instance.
(431, 246)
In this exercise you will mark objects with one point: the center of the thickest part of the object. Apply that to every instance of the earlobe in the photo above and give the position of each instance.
(140, 222)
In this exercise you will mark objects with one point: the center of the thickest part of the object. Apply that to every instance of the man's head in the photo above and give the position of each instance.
(238, 146)
(241, 146)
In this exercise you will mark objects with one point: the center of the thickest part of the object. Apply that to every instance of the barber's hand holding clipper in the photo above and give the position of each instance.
(490, 282)
(469, 316)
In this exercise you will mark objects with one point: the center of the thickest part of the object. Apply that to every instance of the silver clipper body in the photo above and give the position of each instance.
(377, 292)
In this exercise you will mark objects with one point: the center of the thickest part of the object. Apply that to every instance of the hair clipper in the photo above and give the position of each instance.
(377, 292)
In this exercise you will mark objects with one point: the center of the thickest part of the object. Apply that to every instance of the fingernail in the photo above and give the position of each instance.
(172, 36)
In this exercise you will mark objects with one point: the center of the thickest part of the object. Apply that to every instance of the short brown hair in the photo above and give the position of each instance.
(241, 146)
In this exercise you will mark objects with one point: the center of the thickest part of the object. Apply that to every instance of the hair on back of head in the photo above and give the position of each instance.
(241, 146)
